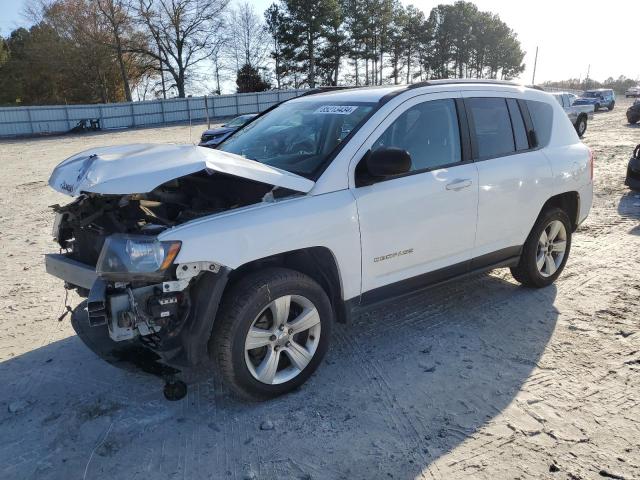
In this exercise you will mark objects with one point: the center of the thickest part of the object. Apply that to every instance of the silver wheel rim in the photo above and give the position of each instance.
(282, 339)
(552, 246)
(582, 126)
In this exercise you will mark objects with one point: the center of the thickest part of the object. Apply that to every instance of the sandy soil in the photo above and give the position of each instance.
(477, 379)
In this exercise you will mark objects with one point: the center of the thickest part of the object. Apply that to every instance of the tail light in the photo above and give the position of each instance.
(591, 159)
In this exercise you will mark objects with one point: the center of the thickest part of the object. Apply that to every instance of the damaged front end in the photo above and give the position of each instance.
(138, 294)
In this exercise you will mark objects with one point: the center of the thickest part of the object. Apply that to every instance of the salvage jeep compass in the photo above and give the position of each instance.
(317, 208)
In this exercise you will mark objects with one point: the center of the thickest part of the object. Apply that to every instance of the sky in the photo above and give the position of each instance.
(570, 34)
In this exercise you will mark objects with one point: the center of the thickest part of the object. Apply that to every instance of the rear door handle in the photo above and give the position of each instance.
(459, 184)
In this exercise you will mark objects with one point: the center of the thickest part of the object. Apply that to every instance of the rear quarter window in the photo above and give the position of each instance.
(542, 118)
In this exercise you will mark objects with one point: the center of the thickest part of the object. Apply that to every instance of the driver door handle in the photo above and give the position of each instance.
(459, 184)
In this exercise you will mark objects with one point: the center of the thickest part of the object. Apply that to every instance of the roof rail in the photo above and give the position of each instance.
(316, 90)
(456, 81)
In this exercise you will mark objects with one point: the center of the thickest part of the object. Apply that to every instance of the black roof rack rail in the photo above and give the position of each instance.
(316, 90)
(457, 81)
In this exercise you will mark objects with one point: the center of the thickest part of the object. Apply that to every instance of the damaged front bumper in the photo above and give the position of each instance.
(171, 321)
(71, 271)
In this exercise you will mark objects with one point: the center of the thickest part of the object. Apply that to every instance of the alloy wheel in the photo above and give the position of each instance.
(282, 339)
(552, 246)
(582, 127)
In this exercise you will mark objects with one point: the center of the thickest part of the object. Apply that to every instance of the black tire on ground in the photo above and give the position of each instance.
(581, 125)
(596, 107)
(526, 272)
(241, 305)
(611, 105)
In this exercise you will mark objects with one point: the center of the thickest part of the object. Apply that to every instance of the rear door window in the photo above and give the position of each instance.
(491, 123)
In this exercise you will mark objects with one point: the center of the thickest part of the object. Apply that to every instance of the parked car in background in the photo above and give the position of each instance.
(214, 136)
(329, 203)
(633, 171)
(602, 97)
(633, 112)
(633, 92)
(578, 114)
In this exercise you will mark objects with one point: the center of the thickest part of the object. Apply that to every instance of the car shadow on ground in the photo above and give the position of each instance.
(629, 207)
(402, 385)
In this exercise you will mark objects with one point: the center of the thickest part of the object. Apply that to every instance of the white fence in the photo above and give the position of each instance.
(563, 90)
(18, 121)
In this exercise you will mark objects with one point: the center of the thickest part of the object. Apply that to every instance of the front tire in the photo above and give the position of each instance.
(611, 105)
(546, 250)
(272, 332)
(596, 107)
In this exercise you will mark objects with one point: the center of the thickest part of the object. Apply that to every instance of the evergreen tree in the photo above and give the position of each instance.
(249, 80)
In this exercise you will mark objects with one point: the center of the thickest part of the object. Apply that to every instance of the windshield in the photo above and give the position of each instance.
(298, 136)
(591, 94)
(239, 121)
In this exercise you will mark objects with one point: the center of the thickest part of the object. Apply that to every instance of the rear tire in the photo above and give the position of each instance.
(258, 343)
(581, 126)
(546, 250)
(596, 107)
(611, 105)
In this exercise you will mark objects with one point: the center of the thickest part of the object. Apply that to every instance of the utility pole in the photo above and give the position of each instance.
(586, 80)
(535, 64)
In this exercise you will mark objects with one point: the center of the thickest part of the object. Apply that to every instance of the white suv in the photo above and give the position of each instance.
(319, 207)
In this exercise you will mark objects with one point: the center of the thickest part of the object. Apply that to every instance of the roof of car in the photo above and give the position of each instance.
(377, 93)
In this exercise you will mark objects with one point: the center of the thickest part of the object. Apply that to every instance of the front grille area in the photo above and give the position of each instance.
(86, 246)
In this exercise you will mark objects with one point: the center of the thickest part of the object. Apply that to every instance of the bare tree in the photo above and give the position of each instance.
(218, 59)
(248, 38)
(182, 32)
(116, 14)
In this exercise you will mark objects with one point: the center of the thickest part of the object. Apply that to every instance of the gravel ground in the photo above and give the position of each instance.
(477, 379)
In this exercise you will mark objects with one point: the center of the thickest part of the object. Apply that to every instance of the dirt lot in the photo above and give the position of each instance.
(477, 379)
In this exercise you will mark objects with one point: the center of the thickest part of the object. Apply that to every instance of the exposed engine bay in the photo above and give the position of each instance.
(88, 220)
(155, 309)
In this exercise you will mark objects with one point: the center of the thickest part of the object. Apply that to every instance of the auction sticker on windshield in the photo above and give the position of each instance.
(337, 109)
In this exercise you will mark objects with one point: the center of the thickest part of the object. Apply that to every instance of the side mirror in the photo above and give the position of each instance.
(388, 162)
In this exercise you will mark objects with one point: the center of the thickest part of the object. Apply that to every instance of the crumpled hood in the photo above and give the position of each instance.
(139, 168)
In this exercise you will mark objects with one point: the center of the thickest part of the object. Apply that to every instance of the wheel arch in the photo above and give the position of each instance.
(567, 201)
(319, 263)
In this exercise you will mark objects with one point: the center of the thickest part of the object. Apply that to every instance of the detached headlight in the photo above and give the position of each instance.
(129, 257)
